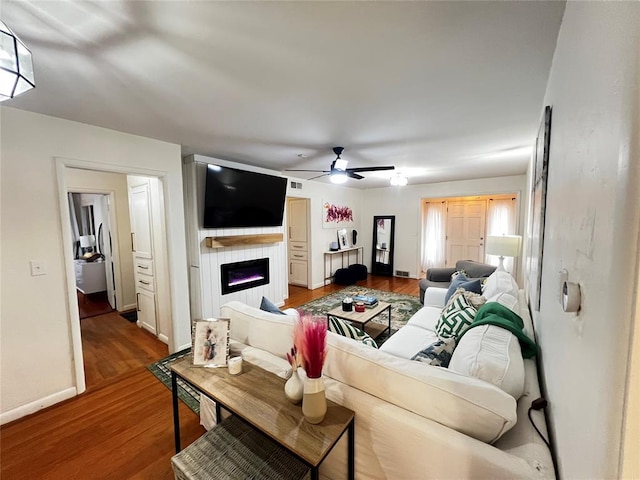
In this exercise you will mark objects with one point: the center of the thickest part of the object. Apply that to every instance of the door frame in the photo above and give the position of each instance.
(61, 164)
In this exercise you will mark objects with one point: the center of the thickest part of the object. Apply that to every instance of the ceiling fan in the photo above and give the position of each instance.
(339, 171)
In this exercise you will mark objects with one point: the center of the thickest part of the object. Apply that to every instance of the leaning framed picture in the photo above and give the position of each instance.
(210, 342)
(343, 239)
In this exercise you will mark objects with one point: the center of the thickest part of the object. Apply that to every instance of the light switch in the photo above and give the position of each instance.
(37, 268)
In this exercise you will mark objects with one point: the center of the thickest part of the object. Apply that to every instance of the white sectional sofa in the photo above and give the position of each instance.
(413, 420)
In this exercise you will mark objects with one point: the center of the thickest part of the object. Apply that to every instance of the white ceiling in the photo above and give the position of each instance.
(442, 90)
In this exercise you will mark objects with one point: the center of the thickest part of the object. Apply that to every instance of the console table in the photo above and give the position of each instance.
(332, 253)
(257, 397)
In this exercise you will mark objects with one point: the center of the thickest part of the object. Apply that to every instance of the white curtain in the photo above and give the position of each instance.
(433, 235)
(501, 220)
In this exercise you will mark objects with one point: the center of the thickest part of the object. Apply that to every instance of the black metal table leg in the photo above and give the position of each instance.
(176, 414)
(351, 436)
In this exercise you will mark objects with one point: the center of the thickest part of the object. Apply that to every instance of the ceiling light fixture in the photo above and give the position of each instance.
(338, 177)
(16, 66)
(399, 180)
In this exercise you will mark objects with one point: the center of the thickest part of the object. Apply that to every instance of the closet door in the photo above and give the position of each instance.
(140, 211)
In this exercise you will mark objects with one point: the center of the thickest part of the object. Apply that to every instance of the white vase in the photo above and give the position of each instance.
(314, 401)
(294, 387)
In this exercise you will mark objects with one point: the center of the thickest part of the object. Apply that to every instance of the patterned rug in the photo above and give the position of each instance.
(402, 306)
(160, 369)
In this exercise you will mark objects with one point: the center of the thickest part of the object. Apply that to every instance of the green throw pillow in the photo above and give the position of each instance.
(341, 327)
(455, 318)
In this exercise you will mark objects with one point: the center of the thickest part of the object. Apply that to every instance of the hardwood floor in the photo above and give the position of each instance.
(122, 426)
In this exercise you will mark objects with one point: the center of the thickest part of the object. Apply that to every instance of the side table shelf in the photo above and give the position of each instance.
(359, 251)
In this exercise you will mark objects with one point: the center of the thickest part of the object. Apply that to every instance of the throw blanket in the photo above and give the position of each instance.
(493, 313)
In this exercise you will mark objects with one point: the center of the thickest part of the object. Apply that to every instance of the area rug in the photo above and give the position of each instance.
(189, 395)
(132, 316)
(402, 306)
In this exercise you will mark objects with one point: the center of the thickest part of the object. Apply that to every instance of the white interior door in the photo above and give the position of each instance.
(465, 231)
(107, 249)
(140, 213)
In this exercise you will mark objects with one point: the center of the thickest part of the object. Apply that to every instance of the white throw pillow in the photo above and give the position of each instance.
(492, 354)
(500, 282)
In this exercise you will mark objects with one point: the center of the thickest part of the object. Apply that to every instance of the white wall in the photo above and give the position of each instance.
(36, 361)
(404, 203)
(93, 181)
(591, 229)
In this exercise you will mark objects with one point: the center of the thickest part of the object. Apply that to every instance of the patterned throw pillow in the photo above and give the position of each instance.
(475, 299)
(341, 327)
(455, 318)
(438, 353)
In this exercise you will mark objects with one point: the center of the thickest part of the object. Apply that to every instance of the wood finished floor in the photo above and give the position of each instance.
(122, 426)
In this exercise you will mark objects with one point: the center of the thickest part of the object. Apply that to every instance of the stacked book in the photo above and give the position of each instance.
(368, 300)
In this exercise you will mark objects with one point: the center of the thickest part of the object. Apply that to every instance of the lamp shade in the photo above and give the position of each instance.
(16, 66)
(87, 241)
(503, 245)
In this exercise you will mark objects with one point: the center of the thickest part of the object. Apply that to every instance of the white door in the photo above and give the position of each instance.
(140, 212)
(297, 209)
(465, 231)
(106, 248)
(147, 310)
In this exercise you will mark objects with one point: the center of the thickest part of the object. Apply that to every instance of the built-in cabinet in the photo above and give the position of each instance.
(297, 241)
(143, 258)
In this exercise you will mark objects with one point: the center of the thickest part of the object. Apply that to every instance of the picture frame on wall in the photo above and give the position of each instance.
(335, 215)
(343, 239)
(538, 209)
(210, 342)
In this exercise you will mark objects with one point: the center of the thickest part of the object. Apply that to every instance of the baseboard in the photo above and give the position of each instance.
(126, 308)
(182, 347)
(36, 406)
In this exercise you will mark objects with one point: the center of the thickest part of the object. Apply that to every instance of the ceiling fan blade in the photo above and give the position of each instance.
(318, 171)
(354, 175)
(370, 169)
(318, 176)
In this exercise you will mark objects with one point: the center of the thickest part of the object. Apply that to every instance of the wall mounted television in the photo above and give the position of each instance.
(238, 198)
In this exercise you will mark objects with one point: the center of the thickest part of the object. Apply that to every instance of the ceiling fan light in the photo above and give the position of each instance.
(340, 164)
(16, 66)
(338, 178)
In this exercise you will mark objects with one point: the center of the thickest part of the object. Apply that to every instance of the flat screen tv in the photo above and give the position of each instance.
(237, 198)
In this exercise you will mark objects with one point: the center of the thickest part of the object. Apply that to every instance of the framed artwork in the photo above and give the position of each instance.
(210, 342)
(538, 208)
(343, 239)
(334, 215)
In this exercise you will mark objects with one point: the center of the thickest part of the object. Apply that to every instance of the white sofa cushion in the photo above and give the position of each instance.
(408, 341)
(269, 331)
(426, 317)
(465, 404)
(500, 282)
(492, 354)
(435, 296)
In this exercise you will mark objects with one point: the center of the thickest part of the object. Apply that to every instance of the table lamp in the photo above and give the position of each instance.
(503, 246)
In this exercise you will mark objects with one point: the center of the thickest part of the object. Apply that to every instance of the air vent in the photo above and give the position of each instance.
(297, 185)
(402, 273)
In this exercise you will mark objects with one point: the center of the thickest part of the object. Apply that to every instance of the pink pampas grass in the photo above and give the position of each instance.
(310, 340)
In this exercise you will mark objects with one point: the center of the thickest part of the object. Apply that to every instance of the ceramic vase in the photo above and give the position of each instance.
(294, 388)
(314, 401)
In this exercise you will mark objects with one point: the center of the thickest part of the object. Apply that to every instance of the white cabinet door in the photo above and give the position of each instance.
(140, 212)
(147, 310)
(298, 272)
(297, 220)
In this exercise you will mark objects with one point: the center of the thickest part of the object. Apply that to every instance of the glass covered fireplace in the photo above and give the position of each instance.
(239, 276)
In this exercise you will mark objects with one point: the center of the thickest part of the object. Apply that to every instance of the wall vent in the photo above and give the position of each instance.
(297, 185)
(402, 273)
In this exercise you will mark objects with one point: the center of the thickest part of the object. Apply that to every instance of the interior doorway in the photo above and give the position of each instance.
(298, 245)
(76, 176)
(94, 263)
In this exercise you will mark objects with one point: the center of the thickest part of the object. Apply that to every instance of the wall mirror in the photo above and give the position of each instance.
(383, 240)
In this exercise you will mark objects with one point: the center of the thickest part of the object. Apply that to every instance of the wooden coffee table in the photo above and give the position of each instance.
(257, 397)
(364, 318)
